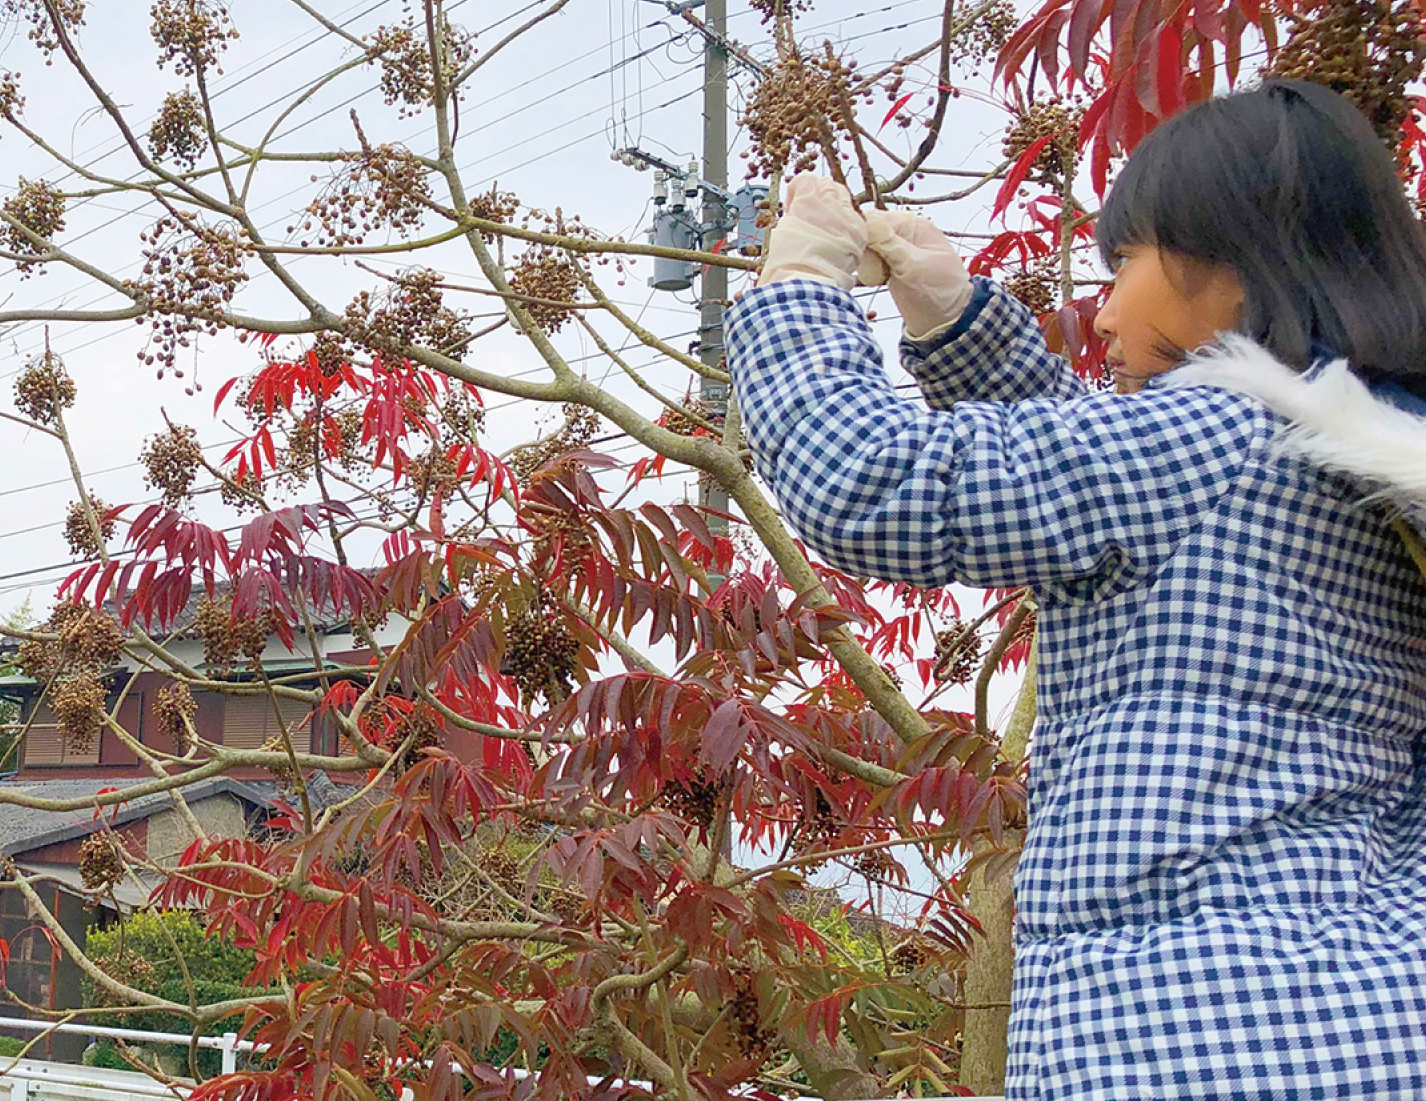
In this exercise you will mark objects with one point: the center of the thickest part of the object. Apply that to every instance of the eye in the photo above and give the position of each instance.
(1116, 261)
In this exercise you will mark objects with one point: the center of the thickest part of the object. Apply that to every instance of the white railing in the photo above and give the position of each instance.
(228, 1043)
(37, 1080)
(27, 1078)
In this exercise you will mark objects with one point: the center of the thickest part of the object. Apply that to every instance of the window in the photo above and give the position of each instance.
(44, 746)
(250, 721)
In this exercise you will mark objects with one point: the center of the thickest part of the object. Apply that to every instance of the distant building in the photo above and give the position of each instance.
(45, 845)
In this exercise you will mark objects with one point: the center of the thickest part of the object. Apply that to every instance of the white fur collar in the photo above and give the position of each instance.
(1334, 419)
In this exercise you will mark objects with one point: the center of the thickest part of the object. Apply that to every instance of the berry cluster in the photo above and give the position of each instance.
(44, 389)
(191, 34)
(580, 425)
(695, 801)
(78, 703)
(745, 1016)
(308, 440)
(280, 769)
(910, 955)
(86, 640)
(12, 103)
(405, 60)
(411, 313)
(540, 653)
(549, 272)
(682, 421)
(423, 725)
(43, 32)
(462, 418)
(179, 131)
(875, 863)
(80, 535)
(1035, 287)
(171, 460)
(769, 10)
(100, 865)
(243, 494)
(986, 36)
(1368, 50)
(336, 437)
(382, 187)
(432, 472)
(819, 823)
(562, 534)
(894, 89)
(1051, 118)
(331, 353)
(191, 273)
(129, 968)
(174, 712)
(796, 110)
(957, 655)
(568, 907)
(503, 869)
(495, 205)
(38, 207)
(224, 637)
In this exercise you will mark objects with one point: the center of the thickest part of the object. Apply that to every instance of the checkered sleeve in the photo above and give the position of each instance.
(1091, 493)
(994, 352)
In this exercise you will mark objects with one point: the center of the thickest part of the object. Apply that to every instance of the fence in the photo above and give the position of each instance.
(39, 1080)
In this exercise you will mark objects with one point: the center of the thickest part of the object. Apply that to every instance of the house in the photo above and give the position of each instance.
(243, 721)
(46, 845)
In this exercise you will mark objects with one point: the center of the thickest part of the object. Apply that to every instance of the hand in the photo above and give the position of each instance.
(821, 236)
(922, 270)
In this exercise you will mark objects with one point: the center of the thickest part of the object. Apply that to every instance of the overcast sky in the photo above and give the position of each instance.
(541, 120)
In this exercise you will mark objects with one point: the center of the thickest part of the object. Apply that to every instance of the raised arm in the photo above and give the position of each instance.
(1088, 496)
(993, 352)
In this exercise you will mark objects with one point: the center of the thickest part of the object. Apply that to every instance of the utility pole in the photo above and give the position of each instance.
(719, 215)
(714, 292)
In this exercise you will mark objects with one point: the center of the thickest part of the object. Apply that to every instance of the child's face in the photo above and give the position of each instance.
(1161, 308)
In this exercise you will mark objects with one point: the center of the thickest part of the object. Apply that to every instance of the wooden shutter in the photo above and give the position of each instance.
(45, 747)
(250, 721)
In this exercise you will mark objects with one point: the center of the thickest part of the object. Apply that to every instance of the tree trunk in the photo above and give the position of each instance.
(992, 957)
(832, 1069)
(987, 988)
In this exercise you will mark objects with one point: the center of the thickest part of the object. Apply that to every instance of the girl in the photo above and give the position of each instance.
(1223, 888)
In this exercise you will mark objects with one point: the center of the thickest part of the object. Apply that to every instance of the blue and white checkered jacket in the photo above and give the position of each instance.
(1223, 888)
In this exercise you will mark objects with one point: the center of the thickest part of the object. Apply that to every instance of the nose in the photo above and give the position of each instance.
(1104, 320)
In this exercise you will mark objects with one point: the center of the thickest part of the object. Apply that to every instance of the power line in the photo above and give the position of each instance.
(523, 142)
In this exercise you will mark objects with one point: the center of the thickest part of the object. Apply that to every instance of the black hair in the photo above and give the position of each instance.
(1290, 187)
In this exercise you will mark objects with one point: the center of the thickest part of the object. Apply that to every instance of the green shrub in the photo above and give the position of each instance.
(140, 951)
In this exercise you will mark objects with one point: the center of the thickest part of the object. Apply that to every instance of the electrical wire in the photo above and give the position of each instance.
(522, 143)
(624, 63)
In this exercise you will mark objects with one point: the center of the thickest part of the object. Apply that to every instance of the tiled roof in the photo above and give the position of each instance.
(23, 829)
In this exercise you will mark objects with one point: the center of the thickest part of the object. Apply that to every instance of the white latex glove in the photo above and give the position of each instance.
(923, 271)
(820, 235)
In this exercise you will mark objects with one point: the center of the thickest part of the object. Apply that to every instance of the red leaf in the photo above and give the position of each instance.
(223, 392)
(1085, 19)
(895, 107)
(723, 736)
(1170, 68)
(1017, 175)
